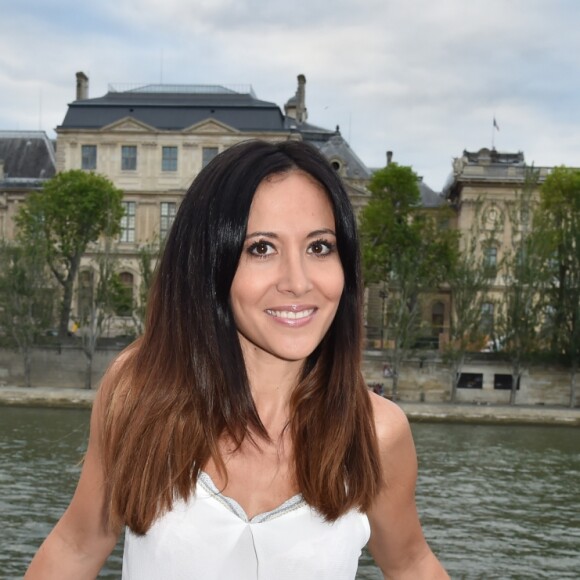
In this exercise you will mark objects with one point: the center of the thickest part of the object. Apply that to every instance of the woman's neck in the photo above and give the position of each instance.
(272, 382)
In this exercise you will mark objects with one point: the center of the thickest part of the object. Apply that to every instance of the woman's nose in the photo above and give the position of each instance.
(294, 275)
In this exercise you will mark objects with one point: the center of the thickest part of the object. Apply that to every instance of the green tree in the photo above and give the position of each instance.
(559, 222)
(469, 282)
(105, 296)
(73, 209)
(148, 255)
(385, 221)
(26, 296)
(407, 248)
(525, 281)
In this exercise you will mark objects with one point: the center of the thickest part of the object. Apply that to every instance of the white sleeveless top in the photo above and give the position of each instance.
(209, 537)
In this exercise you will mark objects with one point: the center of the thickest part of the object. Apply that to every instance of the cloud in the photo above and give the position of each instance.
(419, 77)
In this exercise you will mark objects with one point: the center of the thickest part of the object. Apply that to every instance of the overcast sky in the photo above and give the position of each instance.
(422, 78)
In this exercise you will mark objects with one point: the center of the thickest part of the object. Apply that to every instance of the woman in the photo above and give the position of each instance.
(237, 438)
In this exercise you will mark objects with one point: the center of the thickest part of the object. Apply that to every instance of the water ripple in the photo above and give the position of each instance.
(496, 502)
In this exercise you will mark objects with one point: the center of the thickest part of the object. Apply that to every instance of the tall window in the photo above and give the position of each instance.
(208, 153)
(490, 261)
(490, 257)
(88, 157)
(168, 209)
(486, 322)
(169, 159)
(437, 318)
(128, 222)
(124, 304)
(128, 157)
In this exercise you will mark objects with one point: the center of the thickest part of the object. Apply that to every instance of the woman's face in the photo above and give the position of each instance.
(289, 280)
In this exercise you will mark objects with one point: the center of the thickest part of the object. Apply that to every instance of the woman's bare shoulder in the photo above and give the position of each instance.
(391, 423)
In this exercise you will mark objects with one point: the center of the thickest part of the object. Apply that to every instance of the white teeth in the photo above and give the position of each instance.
(290, 315)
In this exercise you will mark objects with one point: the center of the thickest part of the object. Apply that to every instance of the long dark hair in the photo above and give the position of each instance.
(185, 383)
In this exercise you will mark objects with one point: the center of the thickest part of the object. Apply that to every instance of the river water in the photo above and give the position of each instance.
(495, 501)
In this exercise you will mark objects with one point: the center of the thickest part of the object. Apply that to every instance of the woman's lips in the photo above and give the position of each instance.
(296, 316)
(291, 314)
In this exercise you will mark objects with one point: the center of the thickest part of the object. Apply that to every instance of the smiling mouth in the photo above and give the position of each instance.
(288, 315)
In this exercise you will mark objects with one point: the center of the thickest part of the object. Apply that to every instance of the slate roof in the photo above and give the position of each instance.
(175, 111)
(430, 198)
(28, 156)
(334, 146)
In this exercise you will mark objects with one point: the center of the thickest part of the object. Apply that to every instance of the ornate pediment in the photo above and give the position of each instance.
(210, 127)
(128, 125)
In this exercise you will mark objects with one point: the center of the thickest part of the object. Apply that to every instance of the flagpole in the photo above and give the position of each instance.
(494, 126)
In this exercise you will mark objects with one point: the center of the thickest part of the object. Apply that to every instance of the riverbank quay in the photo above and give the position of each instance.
(415, 411)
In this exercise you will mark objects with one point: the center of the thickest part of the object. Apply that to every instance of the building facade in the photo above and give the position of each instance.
(484, 188)
(152, 140)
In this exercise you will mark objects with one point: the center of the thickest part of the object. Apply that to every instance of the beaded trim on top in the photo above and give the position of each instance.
(289, 505)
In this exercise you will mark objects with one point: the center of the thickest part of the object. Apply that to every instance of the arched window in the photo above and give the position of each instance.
(437, 318)
(85, 294)
(124, 306)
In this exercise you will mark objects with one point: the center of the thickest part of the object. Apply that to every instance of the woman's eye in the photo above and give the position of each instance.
(321, 248)
(261, 249)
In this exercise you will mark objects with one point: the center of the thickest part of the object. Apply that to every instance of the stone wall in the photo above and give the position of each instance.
(425, 380)
(56, 367)
(429, 380)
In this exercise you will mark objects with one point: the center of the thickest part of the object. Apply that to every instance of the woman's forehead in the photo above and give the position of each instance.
(291, 196)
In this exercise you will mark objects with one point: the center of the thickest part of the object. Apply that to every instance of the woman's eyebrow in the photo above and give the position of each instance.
(262, 235)
(313, 234)
(321, 232)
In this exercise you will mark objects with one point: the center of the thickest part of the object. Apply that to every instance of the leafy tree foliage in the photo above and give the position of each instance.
(384, 222)
(26, 296)
(525, 282)
(148, 255)
(105, 297)
(469, 282)
(559, 224)
(73, 209)
(407, 248)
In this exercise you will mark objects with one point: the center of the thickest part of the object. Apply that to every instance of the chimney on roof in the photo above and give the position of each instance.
(301, 114)
(82, 86)
(295, 108)
(389, 157)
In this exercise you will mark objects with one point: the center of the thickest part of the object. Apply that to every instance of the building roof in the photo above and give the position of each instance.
(487, 156)
(490, 167)
(178, 107)
(175, 108)
(27, 156)
(335, 148)
(430, 198)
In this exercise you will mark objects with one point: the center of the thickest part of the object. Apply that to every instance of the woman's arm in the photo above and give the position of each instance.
(397, 543)
(80, 542)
